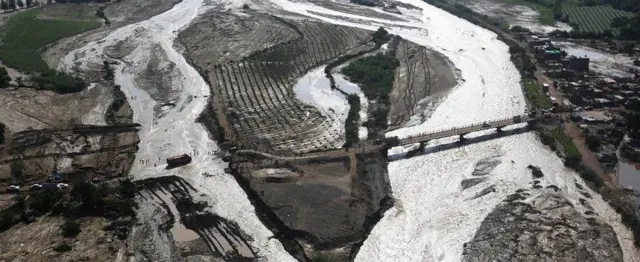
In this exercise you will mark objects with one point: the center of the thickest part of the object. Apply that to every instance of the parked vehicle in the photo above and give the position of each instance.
(13, 188)
(49, 186)
(62, 186)
(35, 187)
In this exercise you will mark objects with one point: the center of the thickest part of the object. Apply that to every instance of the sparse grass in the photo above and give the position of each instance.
(573, 157)
(546, 13)
(76, 12)
(534, 94)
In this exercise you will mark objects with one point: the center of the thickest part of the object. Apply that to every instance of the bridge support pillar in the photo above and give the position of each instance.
(422, 145)
(499, 129)
(462, 139)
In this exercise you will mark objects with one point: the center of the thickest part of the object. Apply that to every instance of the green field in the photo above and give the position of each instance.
(534, 94)
(24, 37)
(594, 19)
(567, 143)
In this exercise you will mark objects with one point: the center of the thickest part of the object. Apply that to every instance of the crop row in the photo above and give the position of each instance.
(594, 19)
(258, 90)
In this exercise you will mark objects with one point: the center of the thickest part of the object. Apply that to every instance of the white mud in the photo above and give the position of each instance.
(176, 130)
(433, 217)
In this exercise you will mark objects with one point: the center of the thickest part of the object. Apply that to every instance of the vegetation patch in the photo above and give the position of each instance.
(375, 74)
(544, 7)
(596, 20)
(352, 124)
(70, 228)
(62, 247)
(4, 78)
(2, 127)
(534, 94)
(83, 200)
(363, 2)
(573, 158)
(27, 36)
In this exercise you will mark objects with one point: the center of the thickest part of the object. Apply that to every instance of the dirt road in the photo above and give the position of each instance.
(588, 157)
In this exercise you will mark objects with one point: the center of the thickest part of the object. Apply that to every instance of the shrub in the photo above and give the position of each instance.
(62, 247)
(17, 169)
(317, 257)
(381, 36)
(44, 201)
(4, 78)
(590, 176)
(70, 228)
(2, 133)
(363, 2)
(353, 119)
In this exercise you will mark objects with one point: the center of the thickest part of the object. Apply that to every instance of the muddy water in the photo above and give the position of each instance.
(176, 130)
(433, 217)
(629, 177)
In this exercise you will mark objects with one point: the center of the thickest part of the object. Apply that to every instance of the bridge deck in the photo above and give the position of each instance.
(464, 130)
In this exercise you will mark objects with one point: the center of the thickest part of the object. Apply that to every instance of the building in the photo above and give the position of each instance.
(552, 54)
(579, 64)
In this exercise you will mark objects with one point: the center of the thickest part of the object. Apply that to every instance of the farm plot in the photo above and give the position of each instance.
(258, 91)
(594, 19)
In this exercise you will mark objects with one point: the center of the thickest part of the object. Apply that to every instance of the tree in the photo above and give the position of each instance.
(4, 75)
(12, 4)
(20, 4)
(70, 228)
(29, 3)
(4, 5)
(17, 169)
(592, 143)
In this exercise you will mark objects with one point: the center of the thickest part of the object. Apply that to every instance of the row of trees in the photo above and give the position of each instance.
(83, 200)
(15, 4)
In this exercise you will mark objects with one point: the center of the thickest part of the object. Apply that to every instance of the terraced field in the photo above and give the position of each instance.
(594, 19)
(256, 92)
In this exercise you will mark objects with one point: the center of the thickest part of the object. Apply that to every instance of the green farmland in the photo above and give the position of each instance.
(594, 19)
(25, 36)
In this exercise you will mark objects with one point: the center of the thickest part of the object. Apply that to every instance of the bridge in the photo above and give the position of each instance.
(369, 146)
(461, 131)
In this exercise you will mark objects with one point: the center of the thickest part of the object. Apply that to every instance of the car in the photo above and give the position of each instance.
(62, 185)
(13, 188)
(35, 187)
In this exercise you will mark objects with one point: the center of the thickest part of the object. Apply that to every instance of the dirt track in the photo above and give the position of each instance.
(422, 79)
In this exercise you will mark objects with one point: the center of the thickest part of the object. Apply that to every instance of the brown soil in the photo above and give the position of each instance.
(356, 9)
(423, 77)
(256, 94)
(56, 145)
(588, 157)
(35, 242)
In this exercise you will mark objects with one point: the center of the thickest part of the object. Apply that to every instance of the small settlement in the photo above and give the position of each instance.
(596, 103)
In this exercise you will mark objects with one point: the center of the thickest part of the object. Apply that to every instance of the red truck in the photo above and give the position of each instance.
(178, 160)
